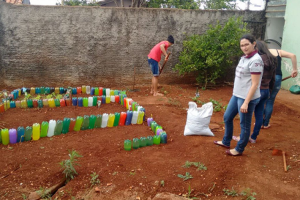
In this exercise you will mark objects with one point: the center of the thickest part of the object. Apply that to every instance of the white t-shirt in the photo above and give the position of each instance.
(251, 64)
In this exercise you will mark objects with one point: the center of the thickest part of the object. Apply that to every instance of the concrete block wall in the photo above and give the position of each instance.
(71, 46)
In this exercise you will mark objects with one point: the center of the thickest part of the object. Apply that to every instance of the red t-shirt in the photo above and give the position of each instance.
(156, 52)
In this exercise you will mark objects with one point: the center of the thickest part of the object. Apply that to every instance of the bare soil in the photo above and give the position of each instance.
(138, 174)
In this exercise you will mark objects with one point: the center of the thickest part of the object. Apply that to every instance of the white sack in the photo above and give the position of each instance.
(198, 119)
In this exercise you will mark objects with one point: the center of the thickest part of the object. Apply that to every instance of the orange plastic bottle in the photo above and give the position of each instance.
(122, 119)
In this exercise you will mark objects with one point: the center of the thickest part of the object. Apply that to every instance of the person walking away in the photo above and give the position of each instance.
(154, 58)
(270, 102)
(246, 95)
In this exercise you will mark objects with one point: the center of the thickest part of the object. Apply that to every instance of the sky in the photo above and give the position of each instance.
(255, 4)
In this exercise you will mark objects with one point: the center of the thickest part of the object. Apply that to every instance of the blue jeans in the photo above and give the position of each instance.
(232, 110)
(154, 66)
(259, 112)
(270, 102)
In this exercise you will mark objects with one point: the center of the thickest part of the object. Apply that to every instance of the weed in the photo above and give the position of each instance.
(225, 107)
(186, 177)
(44, 193)
(24, 196)
(217, 105)
(248, 195)
(162, 183)
(189, 193)
(38, 97)
(174, 102)
(132, 173)
(288, 168)
(232, 192)
(94, 180)
(59, 96)
(199, 165)
(68, 166)
(115, 173)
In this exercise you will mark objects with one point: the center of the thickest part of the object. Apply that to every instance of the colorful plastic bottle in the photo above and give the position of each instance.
(88, 89)
(133, 106)
(116, 92)
(143, 142)
(156, 139)
(74, 90)
(62, 103)
(28, 133)
(5, 136)
(58, 127)
(92, 121)
(112, 93)
(85, 102)
(125, 102)
(117, 119)
(100, 91)
(29, 103)
(57, 102)
(153, 126)
(45, 102)
(40, 103)
(149, 120)
(74, 101)
(95, 99)
(134, 117)
(128, 117)
(112, 99)
(85, 123)
(12, 136)
(2, 108)
(103, 99)
(96, 91)
(107, 92)
(68, 102)
(104, 91)
(35, 103)
(80, 102)
(122, 118)
(156, 128)
(56, 90)
(107, 99)
(92, 91)
(135, 143)
(32, 91)
(42, 90)
(36, 131)
(149, 141)
(104, 120)
(51, 103)
(66, 125)
(111, 119)
(127, 145)
(78, 90)
(72, 124)
(163, 138)
(158, 131)
(44, 128)
(98, 121)
(13, 104)
(129, 106)
(83, 89)
(140, 117)
(52, 125)
(21, 134)
(61, 90)
(90, 101)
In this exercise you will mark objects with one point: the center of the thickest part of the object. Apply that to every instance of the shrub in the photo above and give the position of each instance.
(211, 54)
(68, 166)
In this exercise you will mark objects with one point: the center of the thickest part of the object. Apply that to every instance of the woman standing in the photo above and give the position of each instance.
(270, 102)
(246, 95)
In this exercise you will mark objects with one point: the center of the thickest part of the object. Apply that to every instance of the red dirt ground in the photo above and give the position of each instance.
(138, 173)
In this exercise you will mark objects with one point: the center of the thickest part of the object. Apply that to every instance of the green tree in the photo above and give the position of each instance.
(211, 54)
(182, 4)
(78, 3)
(220, 4)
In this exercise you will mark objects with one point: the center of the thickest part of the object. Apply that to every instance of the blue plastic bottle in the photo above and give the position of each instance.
(128, 117)
(74, 101)
(74, 90)
(92, 91)
(80, 101)
(103, 99)
(21, 134)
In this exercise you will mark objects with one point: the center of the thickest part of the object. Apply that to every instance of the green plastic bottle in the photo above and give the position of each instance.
(66, 125)
(85, 102)
(98, 121)
(156, 139)
(104, 91)
(135, 143)
(127, 145)
(42, 90)
(40, 103)
(86, 121)
(149, 141)
(29, 103)
(153, 126)
(0, 137)
(28, 133)
(57, 102)
(96, 91)
(78, 123)
(95, 101)
(92, 121)
(44, 128)
(5, 136)
(58, 127)
(143, 142)
(117, 119)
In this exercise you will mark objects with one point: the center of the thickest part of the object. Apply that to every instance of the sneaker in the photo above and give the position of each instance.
(252, 141)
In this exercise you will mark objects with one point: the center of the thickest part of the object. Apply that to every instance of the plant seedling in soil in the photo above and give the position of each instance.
(217, 105)
(94, 180)
(189, 193)
(232, 192)
(248, 195)
(24, 196)
(68, 166)
(44, 194)
(288, 167)
(162, 183)
(186, 177)
(199, 165)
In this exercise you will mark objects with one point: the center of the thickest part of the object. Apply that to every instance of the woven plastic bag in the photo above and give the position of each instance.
(198, 119)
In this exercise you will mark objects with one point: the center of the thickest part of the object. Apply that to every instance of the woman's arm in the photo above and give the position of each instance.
(291, 56)
(255, 78)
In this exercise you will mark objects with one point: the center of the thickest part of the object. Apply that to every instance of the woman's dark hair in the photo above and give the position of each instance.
(262, 48)
(249, 37)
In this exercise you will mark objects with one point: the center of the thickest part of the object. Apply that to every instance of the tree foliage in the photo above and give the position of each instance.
(211, 54)
(182, 4)
(220, 4)
(79, 3)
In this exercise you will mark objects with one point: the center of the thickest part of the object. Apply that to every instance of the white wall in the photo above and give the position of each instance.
(274, 30)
